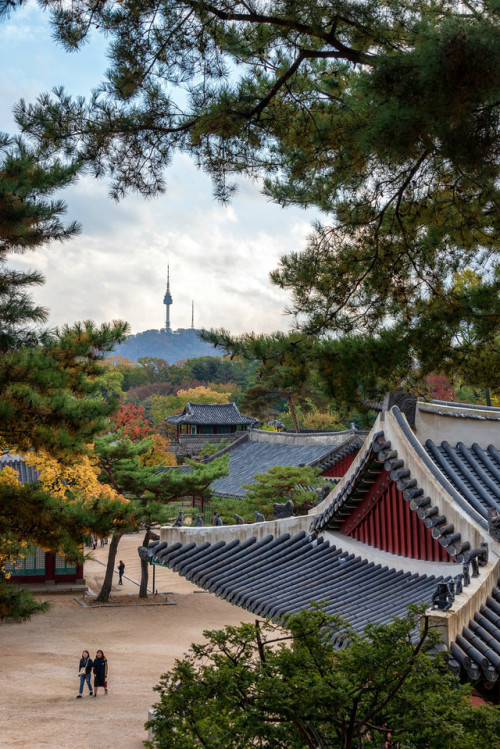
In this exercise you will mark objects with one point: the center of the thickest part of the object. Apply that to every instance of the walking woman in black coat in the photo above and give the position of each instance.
(100, 672)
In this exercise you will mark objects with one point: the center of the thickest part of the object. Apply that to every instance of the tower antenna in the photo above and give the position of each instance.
(167, 301)
(192, 315)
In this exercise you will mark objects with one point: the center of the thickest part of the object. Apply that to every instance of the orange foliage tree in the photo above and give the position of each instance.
(440, 387)
(131, 421)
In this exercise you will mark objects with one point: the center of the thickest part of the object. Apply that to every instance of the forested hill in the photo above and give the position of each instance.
(181, 344)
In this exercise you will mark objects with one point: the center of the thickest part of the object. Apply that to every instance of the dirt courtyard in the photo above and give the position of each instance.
(39, 660)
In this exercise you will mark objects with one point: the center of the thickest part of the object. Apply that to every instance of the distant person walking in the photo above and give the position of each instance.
(84, 672)
(121, 570)
(100, 672)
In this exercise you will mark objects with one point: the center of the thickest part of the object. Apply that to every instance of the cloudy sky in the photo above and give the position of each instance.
(116, 269)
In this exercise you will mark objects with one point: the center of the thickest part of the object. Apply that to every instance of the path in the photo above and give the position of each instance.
(39, 660)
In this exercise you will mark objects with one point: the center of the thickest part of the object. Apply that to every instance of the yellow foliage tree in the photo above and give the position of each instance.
(9, 477)
(203, 394)
(158, 453)
(80, 477)
(166, 405)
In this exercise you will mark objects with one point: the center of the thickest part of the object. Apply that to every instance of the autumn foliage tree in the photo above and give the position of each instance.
(50, 396)
(440, 388)
(66, 503)
(130, 420)
(162, 406)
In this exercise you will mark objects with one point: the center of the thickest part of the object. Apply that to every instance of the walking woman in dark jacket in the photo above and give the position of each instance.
(100, 671)
(84, 672)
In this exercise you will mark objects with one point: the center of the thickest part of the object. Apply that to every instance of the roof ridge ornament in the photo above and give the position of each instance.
(406, 402)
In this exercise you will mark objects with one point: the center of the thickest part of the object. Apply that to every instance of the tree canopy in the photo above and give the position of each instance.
(258, 685)
(50, 394)
(381, 113)
(29, 218)
(279, 484)
(150, 484)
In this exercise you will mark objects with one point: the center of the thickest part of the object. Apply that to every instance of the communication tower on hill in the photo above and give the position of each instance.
(167, 301)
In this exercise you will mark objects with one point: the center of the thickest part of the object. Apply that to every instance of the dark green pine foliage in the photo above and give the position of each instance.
(150, 489)
(49, 394)
(50, 400)
(49, 381)
(383, 114)
(279, 484)
(284, 369)
(258, 685)
(29, 218)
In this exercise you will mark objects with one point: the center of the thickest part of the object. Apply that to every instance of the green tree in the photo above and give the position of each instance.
(49, 382)
(29, 218)
(50, 393)
(284, 368)
(284, 483)
(278, 484)
(383, 114)
(149, 487)
(256, 685)
(50, 400)
(111, 384)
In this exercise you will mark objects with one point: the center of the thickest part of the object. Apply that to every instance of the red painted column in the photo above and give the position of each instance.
(383, 519)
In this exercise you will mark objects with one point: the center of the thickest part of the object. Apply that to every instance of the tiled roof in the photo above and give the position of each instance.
(378, 455)
(341, 499)
(477, 649)
(217, 414)
(250, 458)
(275, 576)
(461, 410)
(27, 474)
(352, 447)
(474, 472)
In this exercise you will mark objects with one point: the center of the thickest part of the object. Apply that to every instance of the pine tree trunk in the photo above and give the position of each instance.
(347, 740)
(143, 590)
(105, 591)
(292, 413)
(487, 396)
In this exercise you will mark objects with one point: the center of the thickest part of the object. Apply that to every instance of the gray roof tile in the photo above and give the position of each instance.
(275, 576)
(27, 474)
(251, 457)
(216, 414)
(474, 472)
(477, 649)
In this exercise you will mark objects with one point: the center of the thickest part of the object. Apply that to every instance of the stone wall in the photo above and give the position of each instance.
(456, 423)
(190, 445)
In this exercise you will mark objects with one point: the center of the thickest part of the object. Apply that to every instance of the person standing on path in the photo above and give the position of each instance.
(100, 672)
(84, 672)
(121, 570)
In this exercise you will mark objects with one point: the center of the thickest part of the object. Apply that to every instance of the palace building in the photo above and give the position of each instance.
(40, 569)
(415, 518)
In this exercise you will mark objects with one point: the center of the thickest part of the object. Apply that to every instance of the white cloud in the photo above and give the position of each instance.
(220, 256)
